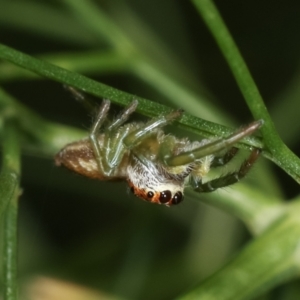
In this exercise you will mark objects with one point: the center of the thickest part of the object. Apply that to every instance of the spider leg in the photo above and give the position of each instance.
(226, 158)
(123, 116)
(135, 137)
(80, 97)
(102, 114)
(109, 154)
(122, 140)
(230, 178)
(113, 147)
(213, 146)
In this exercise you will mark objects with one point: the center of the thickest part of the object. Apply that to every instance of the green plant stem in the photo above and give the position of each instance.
(10, 172)
(146, 107)
(273, 142)
(110, 61)
(10, 249)
(9, 194)
(267, 261)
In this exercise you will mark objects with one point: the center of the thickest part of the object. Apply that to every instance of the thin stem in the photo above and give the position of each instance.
(148, 108)
(9, 193)
(239, 69)
(273, 142)
(10, 172)
(10, 248)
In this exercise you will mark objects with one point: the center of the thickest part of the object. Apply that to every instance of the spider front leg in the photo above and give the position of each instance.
(123, 116)
(230, 178)
(102, 114)
(108, 156)
(113, 146)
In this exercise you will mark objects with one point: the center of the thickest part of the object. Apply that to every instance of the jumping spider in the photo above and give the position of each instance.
(157, 166)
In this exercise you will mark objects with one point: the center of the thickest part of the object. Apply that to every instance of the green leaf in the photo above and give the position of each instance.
(270, 259)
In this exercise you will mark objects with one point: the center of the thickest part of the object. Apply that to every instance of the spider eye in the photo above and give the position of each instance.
(150, 194)
(178, 197)
(165, 196)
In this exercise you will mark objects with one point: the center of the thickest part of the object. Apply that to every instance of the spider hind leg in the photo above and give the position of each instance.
(230, 178)
(226, 158)
(213, 146)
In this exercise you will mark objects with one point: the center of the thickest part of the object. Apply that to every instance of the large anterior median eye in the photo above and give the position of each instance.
(165, 196)
(178, 197)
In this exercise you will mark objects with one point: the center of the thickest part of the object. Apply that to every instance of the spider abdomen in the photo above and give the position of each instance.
(79, 157)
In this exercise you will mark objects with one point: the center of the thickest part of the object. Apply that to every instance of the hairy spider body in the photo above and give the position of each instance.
(156, 166)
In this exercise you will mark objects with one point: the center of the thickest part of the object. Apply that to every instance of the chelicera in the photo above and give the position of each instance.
(157, 166)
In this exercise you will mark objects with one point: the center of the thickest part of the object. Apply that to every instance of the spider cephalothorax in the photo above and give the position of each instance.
(156, 166)
(154, 183)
